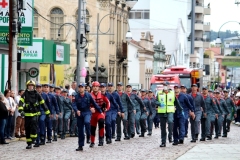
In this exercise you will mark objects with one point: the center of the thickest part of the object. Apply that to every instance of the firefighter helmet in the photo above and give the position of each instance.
(95, 83)
(30, 82)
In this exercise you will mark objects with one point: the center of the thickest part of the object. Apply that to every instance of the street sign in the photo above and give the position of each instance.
(33, 72)
(24, 38)
(25, 16)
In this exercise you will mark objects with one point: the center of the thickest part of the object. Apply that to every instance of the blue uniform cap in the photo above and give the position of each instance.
(183, 86)
(65, 90)
(51, 85)
(134, 89)
(57, 88)
(128, 85)
(150, 91)
(210, 90)
(204, 87)
(103, 85)
(143, 90)
(120, 84)
(176, 85)
(194, 85)
(45, 84)
(81, 85)
(225, 90)
(38, 85)
(110, 84)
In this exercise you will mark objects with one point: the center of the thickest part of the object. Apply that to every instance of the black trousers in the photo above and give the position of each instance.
(31, 127)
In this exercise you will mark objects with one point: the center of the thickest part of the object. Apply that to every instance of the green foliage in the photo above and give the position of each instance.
(227, 34)
(205, 55)
(68, 75)
(233, 53)
(218, 79)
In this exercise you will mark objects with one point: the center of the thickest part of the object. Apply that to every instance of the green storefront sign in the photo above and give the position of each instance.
(24, 38)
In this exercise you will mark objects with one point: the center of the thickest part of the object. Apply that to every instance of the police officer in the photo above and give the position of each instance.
(224, 112)
(126, 104)
(132, 110)
(199, 108)
(52, 121)
(29, 106)
(108, 117)
(81, 106)
(145, 112)
(186, 109)
(232, 108)
(165, 100)
(208, 118)
(67, 109)
(181, 102)
(138, 113)
(115, 111)
(41, 120)
(151, 117)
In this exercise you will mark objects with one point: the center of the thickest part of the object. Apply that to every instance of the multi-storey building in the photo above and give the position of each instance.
(112, 46)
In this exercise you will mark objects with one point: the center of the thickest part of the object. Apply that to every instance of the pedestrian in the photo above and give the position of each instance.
(154, 109)
(3, 118)
(186, 109)
(98, 117)
(67, 109)
(20, 119)
(199, 108)
(29, 107)
(224, 112)
(232, 108)
(137, 104)
(59, 98)
(165, 100)
(115, 111)
(208, 118)
(81, 106)
(146, 111)
(11, 105)
(126, 104)
(51, 121)
(181, 102)
(138, 111)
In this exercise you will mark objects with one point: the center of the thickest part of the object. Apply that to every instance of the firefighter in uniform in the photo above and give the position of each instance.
(29, 106)
(165, 100)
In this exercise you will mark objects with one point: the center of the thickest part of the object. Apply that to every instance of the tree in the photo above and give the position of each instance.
(68, 75)
(234, 53)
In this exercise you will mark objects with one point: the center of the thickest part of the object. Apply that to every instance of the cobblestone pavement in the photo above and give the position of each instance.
(137, 148)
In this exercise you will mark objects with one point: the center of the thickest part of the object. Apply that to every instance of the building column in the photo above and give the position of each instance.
(142, 71)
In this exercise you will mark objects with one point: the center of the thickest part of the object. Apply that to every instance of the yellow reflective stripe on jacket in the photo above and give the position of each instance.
(29, 140)
(47, 112)
(21, 99)
(33, 135)
(20, 108)
(41, 102)
(166, 102)
(32, 114)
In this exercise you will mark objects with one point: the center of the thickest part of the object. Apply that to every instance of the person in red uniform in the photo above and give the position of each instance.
(97, 117)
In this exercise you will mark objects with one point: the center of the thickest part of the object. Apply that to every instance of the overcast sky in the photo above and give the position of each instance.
(221, 12)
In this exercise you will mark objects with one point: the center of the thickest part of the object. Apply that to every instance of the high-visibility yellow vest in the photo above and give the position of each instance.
(166, 102)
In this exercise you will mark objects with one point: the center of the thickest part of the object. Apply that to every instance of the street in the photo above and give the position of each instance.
(136, 148)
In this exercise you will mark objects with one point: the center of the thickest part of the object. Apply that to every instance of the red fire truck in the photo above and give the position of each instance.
(188, 76)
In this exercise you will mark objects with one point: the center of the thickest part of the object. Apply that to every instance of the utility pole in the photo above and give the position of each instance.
(10, 45)
(14, 44)
(80, 35)
(193, 26)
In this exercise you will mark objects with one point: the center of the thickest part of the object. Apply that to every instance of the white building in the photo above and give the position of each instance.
(231, 44)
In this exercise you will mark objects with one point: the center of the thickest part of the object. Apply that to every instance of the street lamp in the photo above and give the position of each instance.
(218, 40)
(128, 36)
(237, 2)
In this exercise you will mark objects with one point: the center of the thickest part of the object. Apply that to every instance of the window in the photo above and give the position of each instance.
(194, 65)
(139, 14)
(57, 17)
(35, 25)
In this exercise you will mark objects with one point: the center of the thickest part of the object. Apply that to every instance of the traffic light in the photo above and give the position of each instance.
(18, 61)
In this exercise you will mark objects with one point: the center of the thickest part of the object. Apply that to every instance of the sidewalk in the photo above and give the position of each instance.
(213, 152)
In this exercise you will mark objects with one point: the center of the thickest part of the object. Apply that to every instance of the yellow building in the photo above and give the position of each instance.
(112, 47)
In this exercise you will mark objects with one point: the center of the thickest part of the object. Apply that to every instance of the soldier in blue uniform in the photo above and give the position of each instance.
(138, 112)
(146, 111)
(154, 110)
(59, 99)
(231, 107)
(41, 120)
(108, 117)
(115, 111)
(199, 108)
(51, 122)
(81, 106)
(179, 118)
(186, 109)
(132, 110)
(208, 118)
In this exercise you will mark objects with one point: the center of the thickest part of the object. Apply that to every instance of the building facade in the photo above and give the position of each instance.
(112, 45)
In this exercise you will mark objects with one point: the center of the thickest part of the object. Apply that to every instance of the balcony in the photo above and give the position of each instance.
(206, 44)
(206, 27)
(207, 10)
(131, 3)
(199, 25)
(198, 42)
(199, 8)
(122, 50)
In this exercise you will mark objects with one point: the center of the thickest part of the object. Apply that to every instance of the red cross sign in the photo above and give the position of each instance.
(3, 3)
